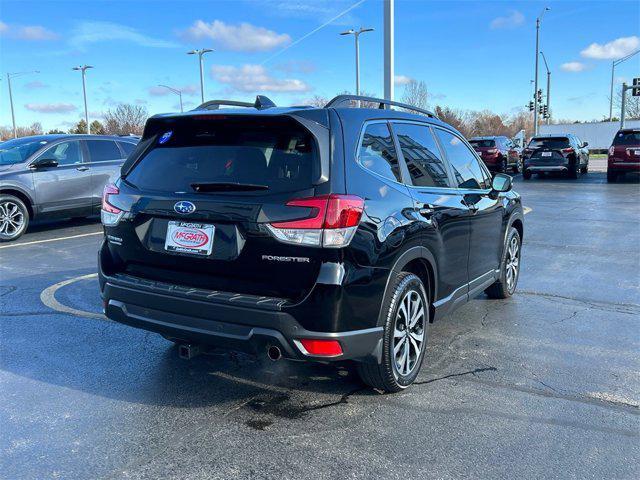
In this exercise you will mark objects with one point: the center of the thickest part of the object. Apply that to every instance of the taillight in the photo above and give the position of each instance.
(109, 214)
(331, 222)
(324, 348)
(567, 150)
(611, 150)
(492, 151)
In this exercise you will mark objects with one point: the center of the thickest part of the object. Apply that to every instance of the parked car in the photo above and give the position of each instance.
(624, 154)
(55, 176)
(555, 153)
(498, 153)
(317, 234)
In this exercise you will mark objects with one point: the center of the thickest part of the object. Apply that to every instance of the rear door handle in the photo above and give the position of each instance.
(425, 209)
(82, 169)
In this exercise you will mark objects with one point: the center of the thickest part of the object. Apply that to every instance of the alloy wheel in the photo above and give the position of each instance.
(513, 263)
(11, 219)
(408, 333)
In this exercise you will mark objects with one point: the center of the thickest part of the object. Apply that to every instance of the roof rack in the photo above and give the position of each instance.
(261, 103)
(382, 103)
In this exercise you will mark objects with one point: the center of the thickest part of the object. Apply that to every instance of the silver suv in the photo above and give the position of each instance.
(55, 176)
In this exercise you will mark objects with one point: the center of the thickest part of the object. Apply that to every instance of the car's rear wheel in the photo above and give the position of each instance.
(517, 167)
(573, 170)
(584, 169)
(405, 336)
(509, 268)
(612, 177)
(14, 218)
(504, 166)
(526, 174)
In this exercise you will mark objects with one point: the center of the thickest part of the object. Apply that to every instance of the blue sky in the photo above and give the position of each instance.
(472, 55)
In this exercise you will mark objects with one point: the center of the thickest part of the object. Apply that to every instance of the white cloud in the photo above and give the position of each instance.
(512, 20)
(255, 79)
(402, 79)
(573, 67)
(36, 84)
(50, 107)
(27, 32)
(236, 38)
(300, 66)
(158, 91)
(87, 33)
(615, 49)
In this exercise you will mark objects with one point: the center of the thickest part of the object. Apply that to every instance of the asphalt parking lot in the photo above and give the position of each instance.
(546, 384)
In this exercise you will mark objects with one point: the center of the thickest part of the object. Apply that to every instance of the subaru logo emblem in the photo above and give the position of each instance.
(165, 137)
(184, 207)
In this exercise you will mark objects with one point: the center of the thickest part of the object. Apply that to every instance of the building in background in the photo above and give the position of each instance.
(599, 135)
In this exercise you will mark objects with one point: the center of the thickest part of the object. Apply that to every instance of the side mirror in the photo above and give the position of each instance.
(45, 163)
(585, 144)
(501, 183)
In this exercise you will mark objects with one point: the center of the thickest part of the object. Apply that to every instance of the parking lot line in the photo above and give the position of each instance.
(50, 240)
(48, 297)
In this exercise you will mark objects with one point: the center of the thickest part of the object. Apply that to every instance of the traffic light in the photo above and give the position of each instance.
(539, 95)
(540, 109)
(531, 107)
(545, 111)
(635, 91)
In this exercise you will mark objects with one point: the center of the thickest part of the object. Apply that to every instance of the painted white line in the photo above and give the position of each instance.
(12, 245)
(526, 210)
(48, 297)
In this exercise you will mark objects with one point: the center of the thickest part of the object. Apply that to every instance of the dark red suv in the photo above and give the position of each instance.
(498, 153)
(624, 154)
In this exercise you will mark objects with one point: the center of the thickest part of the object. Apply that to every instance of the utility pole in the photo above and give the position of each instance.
(13, 116)
(200, 52)
(614, 64)
(389, 20)
(546, 65)
(535, 99)
(83, 69)
(356, 34)
(176, 91)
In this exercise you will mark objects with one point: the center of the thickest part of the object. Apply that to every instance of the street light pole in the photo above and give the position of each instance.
(389, 60)
(614, 64)
(356, 35)
(83, 69)
(177, 92)
(535, 94)
(200, 52)
(546, 65)
(13, 117)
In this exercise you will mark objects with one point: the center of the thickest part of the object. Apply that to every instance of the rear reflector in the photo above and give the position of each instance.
(326, 348)
(329, 221)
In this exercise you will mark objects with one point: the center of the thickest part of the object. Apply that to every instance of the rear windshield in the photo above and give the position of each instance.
(276, 155)
(19, 149)
(627, 138)
(549, 142)
(483, 143)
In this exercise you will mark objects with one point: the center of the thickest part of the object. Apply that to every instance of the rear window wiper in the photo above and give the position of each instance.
(227, 187)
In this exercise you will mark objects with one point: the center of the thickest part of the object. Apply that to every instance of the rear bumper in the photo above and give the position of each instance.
(624, 166)
(235, 322)
(546, 168)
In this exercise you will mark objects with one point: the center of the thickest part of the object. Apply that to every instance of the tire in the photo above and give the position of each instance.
(504, 166)
(612, 177)
(585, 169)
(526, 174)
(509, 269)
(399, 370)
(573, 171)
(14, 218)
(517, 167)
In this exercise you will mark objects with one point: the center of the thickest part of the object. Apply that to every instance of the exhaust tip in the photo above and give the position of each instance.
(188, 351)
(274, 353)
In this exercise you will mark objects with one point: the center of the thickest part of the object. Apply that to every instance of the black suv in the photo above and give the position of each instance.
(555, 153)
(333, 233)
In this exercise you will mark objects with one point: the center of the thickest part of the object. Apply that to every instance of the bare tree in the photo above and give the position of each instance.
(632, 110)
(415, 93)
(317, 101)
(35, 128)
(125, 119)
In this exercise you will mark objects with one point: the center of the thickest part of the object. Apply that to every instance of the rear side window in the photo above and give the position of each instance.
(103, 150)
(127, 147)
(377, 152)
(552, 143)
(466, 170)
(483, 143)
(223, 154)
(65, 153)
(421, 155)
(627, 138)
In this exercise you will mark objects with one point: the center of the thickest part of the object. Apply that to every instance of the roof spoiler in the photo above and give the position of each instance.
(261, 103)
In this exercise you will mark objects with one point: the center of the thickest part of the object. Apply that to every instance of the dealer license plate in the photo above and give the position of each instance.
(186, 237)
